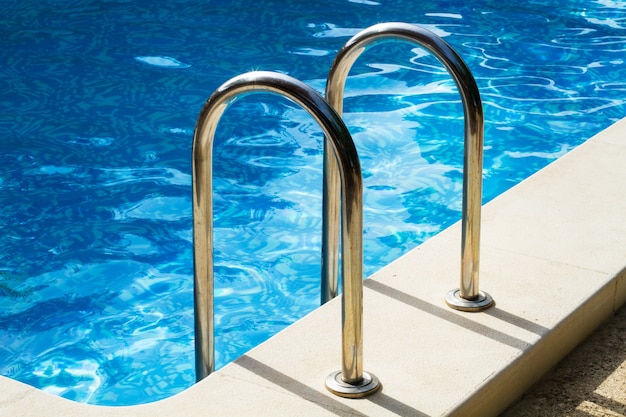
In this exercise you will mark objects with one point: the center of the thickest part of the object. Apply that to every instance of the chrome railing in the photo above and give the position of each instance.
(468, 297)
(351, 380)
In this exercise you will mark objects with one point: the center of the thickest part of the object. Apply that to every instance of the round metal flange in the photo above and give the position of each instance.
(455, 301)
(368, 385)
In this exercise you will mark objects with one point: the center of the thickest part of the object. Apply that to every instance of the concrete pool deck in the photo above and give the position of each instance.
(553, 256)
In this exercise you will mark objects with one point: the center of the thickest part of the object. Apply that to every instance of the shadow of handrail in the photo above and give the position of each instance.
(324, 401)
(518, 321)
(396, 407)
(447, 315)
(296, 387)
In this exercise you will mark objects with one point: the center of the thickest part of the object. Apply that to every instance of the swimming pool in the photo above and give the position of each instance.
(95, 274)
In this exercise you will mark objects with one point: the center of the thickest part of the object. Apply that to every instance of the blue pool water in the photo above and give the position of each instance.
(99, 100)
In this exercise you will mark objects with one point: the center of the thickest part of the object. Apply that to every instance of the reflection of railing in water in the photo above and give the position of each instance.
(467, 297)
(352, 380)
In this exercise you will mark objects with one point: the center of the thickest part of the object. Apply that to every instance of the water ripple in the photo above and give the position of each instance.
(162, 61)
(100, 101)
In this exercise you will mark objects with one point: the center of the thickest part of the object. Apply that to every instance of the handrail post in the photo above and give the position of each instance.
(468, 297)
(354, 381)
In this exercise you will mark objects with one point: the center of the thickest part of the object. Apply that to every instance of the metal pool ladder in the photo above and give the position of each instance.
(467, 297)
(351, 380)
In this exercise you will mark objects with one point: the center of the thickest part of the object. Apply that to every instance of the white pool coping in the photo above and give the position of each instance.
(553, 256)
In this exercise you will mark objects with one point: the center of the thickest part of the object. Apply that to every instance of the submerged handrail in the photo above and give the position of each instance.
(359, 383)
(468, 297)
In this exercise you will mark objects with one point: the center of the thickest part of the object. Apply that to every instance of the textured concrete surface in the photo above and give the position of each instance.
(590, 382)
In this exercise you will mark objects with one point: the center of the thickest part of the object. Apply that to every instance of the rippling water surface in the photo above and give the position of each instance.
(99, 100)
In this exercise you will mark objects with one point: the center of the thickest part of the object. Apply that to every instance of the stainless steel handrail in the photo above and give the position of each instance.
(358, 383)
(467, 297)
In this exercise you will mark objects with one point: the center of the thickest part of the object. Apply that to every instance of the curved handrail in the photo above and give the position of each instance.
(468, 297)
(352, 211)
